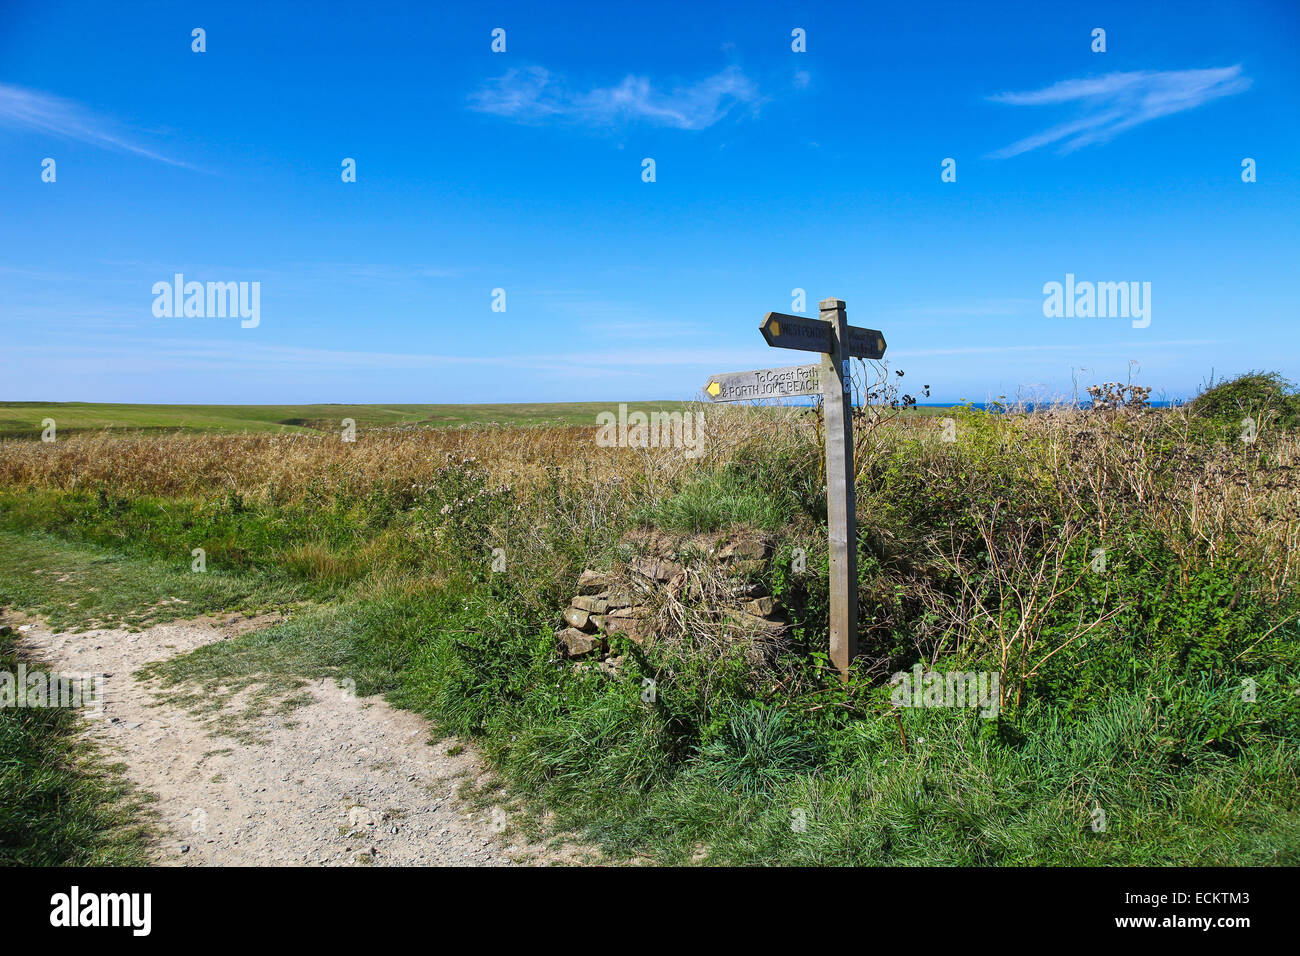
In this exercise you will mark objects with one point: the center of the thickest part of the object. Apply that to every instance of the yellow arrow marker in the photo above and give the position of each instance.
(775, 326)
(713, 389)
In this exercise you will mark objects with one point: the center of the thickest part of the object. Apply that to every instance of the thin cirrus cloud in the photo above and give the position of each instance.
(534, 94)
(1117, 102)
(32, 110)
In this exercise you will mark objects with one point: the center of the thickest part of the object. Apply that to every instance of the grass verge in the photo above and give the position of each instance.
(77, 587)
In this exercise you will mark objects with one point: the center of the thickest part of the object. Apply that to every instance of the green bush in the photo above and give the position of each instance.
(1265, 396)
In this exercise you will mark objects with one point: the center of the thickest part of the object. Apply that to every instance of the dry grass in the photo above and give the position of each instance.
(1101, 469)
(255, 463)
(1098, 466)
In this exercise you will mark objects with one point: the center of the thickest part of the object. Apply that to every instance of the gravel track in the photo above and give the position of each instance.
(338, 781)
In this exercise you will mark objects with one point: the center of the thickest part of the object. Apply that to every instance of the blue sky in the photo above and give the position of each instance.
(522, 170)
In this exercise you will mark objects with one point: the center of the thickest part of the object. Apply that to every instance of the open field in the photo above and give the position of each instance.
(1127, 576)
(23, 419)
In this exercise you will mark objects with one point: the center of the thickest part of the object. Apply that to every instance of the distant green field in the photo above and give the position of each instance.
(23, 419)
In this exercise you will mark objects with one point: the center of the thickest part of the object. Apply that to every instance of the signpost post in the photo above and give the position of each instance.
(837, 341)
(841, 510)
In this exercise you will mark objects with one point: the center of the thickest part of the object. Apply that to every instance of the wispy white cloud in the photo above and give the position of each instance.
(1116, 102)
(25, 109)
(534, 94)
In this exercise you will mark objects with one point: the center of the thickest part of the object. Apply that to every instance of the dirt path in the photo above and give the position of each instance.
(338, 781)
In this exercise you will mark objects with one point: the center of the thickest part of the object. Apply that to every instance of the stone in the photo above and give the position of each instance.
(626, 621)
(576, 643)
(618, 599)
(359, 816)
(762, 607)
(593, 581)
(745, 548)
(624, 612)
(595, 605)
(634, 629)
(655, 569)
(577, 617)
(757, 625)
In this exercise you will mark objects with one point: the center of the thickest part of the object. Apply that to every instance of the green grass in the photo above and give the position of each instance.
(720, 501)
(960, 796)
(78, 587)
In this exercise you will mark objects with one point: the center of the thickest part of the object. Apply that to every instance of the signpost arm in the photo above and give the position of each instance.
(841, 501)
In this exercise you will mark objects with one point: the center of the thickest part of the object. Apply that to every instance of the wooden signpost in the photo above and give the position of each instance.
(837, 341)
